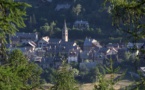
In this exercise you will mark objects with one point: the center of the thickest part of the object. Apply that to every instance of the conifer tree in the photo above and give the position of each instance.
(15, 71)
(64, 79)
(11, 18)
(107, 83)
(128, 15)
(19, 73)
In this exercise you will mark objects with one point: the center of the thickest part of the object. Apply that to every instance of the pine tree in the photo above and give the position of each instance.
(108, 83)
(128, 15)
(19, 73)
(64, 79)
(11, 18)
(15, 71)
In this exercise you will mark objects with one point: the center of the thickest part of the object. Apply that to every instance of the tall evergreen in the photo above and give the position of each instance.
(11, 18)
(19, 73)
(64, 79)
(128, 15)
(16, 73)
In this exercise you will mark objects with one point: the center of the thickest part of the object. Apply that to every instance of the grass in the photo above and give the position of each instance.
(90, 86)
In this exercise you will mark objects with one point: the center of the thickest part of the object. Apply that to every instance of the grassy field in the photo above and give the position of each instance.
(90, 86)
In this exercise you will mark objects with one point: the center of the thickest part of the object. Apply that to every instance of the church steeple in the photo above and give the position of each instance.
(65, 33)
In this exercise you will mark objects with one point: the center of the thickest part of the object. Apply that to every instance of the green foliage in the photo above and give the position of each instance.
(110, 68)
(129, 16)
(19, 73)
(48, 74)
(64, 79)
(16, 72)
(48, 29)
(11, 17)
(77, 9)
(106, 76)
(9, 80)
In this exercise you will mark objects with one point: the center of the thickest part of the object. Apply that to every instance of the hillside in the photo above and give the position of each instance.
(56, 11)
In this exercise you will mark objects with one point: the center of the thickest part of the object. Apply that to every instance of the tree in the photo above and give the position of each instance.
(15, 71)
(64, 79)
(48, 29)
(45, 29)
(48, 75)
(128, 15)
(11, 18)
(99, 31)
(107, 83)
(77, 9)
(19, 73)
(52, 25)
(8, 79)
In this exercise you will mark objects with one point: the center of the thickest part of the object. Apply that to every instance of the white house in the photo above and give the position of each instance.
(43, 41)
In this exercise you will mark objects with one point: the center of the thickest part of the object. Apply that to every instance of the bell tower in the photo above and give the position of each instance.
(65, 33)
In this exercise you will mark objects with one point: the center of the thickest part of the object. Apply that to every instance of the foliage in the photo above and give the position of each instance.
(128, 15)
(48, 29)
(18, 73)
(11, 18)
(64, 79)
(106, 76)
(77, 9)
(48, 75)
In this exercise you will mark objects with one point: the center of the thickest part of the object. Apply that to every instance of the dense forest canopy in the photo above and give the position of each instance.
(48, 11)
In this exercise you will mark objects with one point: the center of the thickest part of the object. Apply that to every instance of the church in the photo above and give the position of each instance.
(60, 49)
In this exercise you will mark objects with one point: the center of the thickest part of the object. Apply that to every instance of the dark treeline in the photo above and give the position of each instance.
(43, 12)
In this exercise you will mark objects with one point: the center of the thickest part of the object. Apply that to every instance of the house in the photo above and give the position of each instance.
(43, 41)
(84, 56)
(111, 51)
(62, 6)
(142, 69)
(40, 52)
(91, 51)
(111, 45)
(73, 54)
(23, 38)
(100, 55)
(81, 25)
(27, 49)
(135, 45)
(89, 43)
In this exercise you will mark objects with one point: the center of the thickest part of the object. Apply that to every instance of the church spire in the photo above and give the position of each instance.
(65, 32)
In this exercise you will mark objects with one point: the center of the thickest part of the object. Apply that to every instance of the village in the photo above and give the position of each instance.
(50, 52)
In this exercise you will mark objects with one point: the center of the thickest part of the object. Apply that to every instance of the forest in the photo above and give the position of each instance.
(49, 22)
